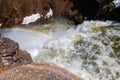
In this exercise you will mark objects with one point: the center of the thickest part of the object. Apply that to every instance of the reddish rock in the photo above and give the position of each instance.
(11, 56)
(13, 12)
(2, 69)
(38, 71)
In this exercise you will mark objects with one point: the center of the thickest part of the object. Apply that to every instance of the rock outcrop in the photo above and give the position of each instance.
(115, 14)
(97, 9)
(38, 71)
(13, 12)
(11, 56)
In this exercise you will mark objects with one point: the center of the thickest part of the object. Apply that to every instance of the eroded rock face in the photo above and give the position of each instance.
(38, 71)
(104, 10)
(13, 12)
(10, 54)
(66, 8)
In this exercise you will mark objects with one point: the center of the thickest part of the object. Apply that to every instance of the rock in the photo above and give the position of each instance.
(13, 12)
(87, 8)
(66, 9)
(10, 54)
(104, 10)
(115, 14)
(38, 71)
(95, 9)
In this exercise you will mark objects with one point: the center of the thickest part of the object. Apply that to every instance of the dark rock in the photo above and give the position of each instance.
(38, 71)
(66, 9)
(95, 9)
(10, 54)
(13, 12)
(105, 7)
(88, 8)
(115, 13)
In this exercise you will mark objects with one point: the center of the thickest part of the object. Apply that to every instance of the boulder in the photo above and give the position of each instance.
(38, 71)
(10, 54)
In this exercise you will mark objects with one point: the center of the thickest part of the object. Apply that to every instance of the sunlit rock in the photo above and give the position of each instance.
(10, 54)
(38, 71)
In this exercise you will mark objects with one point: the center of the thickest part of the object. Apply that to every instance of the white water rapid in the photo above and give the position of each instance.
(90, 50)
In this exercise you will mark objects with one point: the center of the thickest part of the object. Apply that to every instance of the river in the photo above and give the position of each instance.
(90, 50)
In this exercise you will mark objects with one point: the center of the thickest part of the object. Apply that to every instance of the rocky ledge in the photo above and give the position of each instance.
(10, 54)
(16, 12)
(16, 64)
(38, 71)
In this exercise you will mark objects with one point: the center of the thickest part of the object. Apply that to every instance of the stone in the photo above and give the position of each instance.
(13, 12)
(38, 71)
(66, 9)
(10, 54)
(115, 14)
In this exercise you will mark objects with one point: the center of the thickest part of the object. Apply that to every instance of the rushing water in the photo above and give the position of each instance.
(90, 50)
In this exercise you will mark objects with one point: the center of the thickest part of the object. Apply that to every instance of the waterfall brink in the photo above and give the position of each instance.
(90, 50)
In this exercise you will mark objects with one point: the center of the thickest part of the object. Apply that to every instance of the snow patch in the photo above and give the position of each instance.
(0, 24)
(117, 3)
(49, 14)
(32, 18)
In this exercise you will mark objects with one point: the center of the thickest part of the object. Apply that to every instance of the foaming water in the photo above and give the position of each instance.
(90, 50)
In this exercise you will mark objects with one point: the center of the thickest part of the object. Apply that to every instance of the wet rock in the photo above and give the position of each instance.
(10, 54)
(38, 71)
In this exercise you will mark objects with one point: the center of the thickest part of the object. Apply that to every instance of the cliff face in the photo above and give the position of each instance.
(13, 12)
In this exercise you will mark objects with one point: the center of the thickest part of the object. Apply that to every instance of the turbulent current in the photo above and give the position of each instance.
(90, 50)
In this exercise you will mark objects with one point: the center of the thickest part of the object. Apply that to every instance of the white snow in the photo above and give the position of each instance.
(117, 3)
(31, 18)
(49, 14)
(0, 24)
